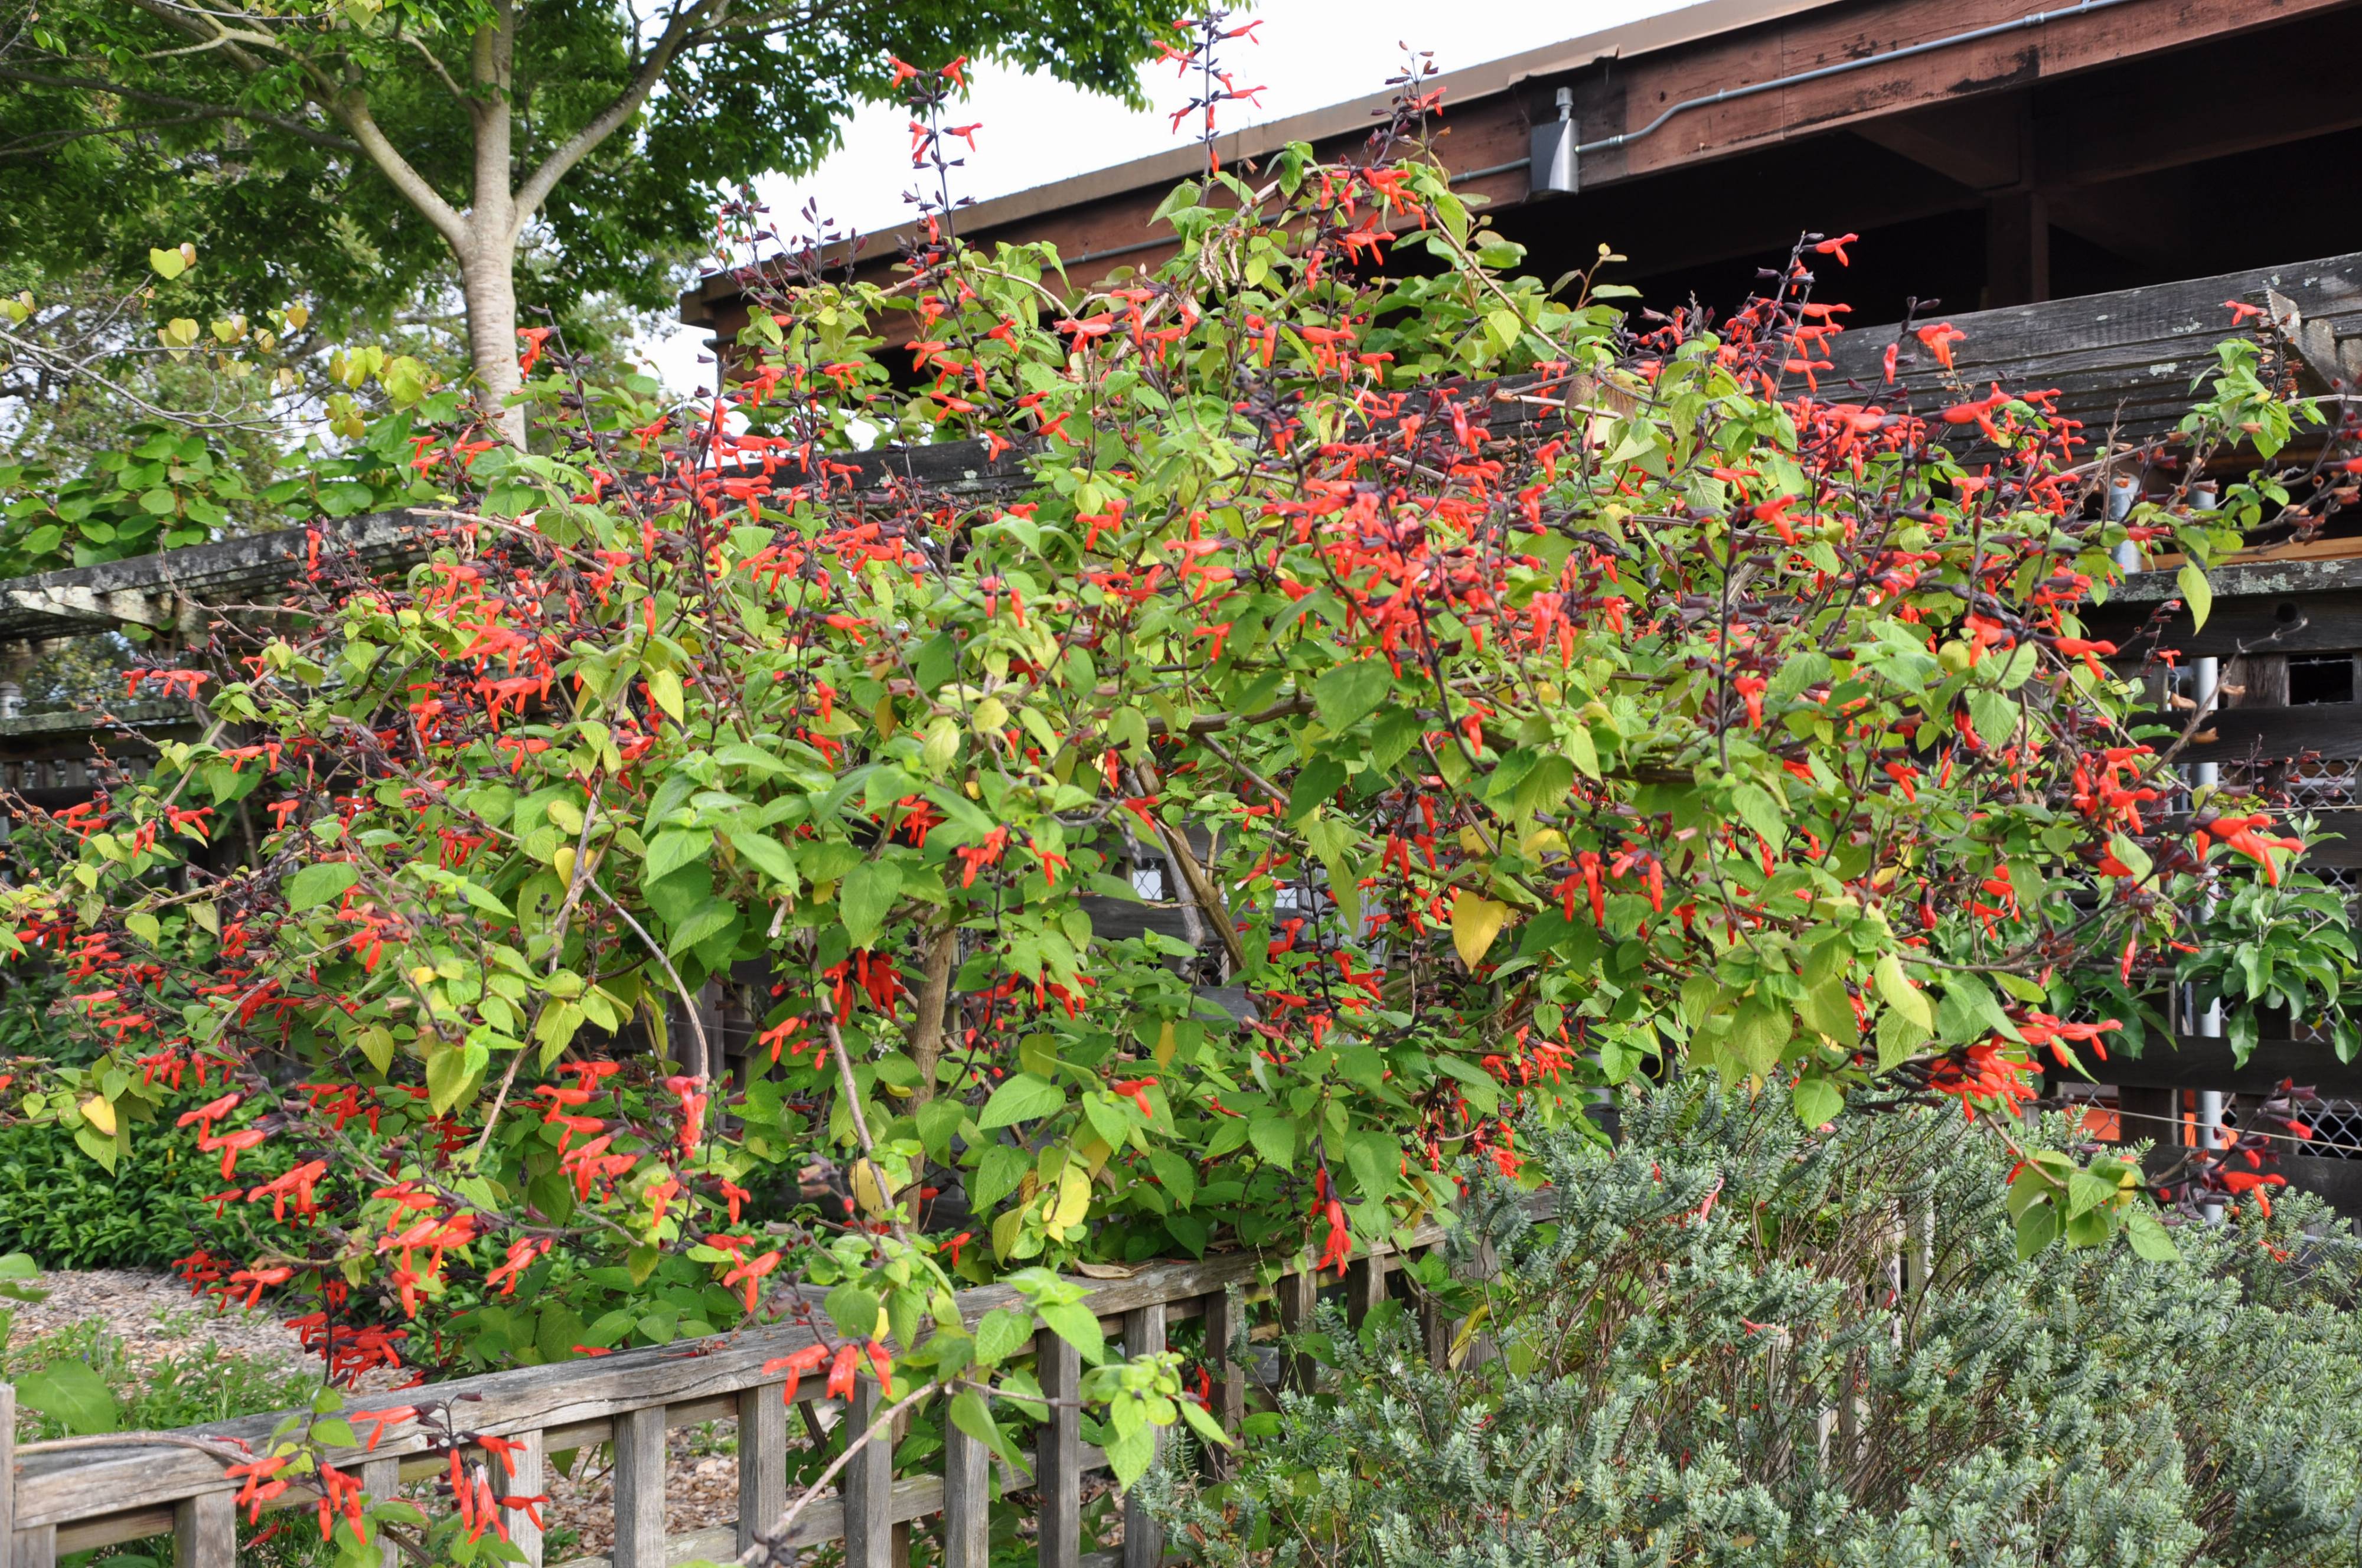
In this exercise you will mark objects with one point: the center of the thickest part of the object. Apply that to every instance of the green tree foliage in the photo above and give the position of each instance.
(356, 154)
(1742, 1343)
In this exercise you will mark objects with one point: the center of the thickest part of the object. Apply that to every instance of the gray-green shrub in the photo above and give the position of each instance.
(1766, 1379)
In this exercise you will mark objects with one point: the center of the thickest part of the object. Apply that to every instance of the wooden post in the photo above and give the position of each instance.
(526, 1482)
(762, 1458)
(1058, 1452)
(205, 1533)
(2017, 248)
(967, 1500)
(1298, 1294)
(639, 1489)
(1225, 1311)
(1434, 1328)
(1144, 1542)
(1365, 1286)
(382, 1479)
(868, 1483)
(36, 1545)
(7, 1459)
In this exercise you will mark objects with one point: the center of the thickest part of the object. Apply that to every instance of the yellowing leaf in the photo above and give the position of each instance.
(1475, 922)
(665, 687)
(2196, 593)
(170, 264)
(1901, 994)
(99, 1114)
(1074, 1198)
(870, 1188)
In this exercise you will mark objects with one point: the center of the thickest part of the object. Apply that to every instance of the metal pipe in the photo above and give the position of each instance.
(1729, 95)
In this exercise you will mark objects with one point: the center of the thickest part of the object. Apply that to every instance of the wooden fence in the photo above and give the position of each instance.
(77, 1494)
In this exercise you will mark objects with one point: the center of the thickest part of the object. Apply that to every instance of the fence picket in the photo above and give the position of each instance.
(1365, 1286)
(868, 1483)
(762, 1458)
(1144, 1542)
(382, 1479)
(640, 1489)
(524, 1480)
(967, 1500)
(36, 1546)
(1298, 1293)
(1058, 1452)
(1224, 1311)
(204, 1532)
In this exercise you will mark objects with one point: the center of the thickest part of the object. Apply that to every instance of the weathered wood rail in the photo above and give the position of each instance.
(55, 1500)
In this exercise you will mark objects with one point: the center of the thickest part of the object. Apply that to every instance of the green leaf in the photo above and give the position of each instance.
(1273, 1137)
(1129, 1453)
(1351, 692)
(2086, 1192)
(854, 1311)
(1077, 1325)
(316, 885)
(73, 1393)
(2148, 1237)
(1899, 1039)
(2199, 594)
(767, 854)
(674, 848)
(1021, 1098)
(971, 1415)
(449, 1072)
(865, 897)
(997, 1175)
(2132, 857)
(2036, 1228)
(1175, 1174)
(1202, 1423)
(1478, 1087)
(1817, 1101)
(1757, 809)
(1002, 1334)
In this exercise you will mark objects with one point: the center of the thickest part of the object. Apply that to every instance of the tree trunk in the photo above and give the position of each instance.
(488, 268)
(488, 279)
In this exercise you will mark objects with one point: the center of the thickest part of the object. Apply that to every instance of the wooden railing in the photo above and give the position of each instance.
(84, 1493)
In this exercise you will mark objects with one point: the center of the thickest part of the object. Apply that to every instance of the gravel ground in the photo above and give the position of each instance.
(153, 1314)
(700, 1492)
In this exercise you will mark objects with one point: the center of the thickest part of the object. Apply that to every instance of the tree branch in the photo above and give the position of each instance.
(677, 34)
(189, 106)
(353, 109)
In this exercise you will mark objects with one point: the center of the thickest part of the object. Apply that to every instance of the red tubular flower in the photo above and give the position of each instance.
(842, 1373)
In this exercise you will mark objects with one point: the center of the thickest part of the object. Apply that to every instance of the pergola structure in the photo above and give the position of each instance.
(1988, 153)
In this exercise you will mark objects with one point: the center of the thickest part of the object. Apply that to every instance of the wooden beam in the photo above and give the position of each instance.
(2017, 248)
(2197, 1062)
(1626, 96)
(2145, 218)
(2122, 360)
(1970, 141)
(2271, 86)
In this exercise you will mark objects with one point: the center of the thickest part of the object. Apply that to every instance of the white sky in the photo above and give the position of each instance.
(1036, 130)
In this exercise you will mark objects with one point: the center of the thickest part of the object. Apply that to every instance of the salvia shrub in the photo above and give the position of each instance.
(1512, 697)
(1739, 1341)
